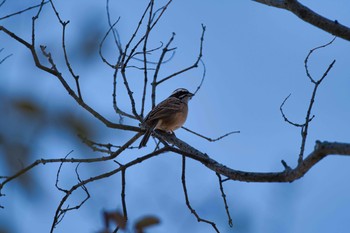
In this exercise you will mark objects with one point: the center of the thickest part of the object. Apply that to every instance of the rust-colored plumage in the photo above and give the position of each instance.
(168, 115)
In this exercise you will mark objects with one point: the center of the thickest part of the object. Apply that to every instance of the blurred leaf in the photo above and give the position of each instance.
(119, 219)
(116, 217)
(78, 126)
(27, 107)
(91, 43)
(146, 222)
(17, 155)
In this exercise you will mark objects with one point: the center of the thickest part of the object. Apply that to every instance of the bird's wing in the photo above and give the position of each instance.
(163, 109)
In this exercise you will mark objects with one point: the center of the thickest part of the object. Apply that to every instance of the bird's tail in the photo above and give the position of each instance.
(145, 138)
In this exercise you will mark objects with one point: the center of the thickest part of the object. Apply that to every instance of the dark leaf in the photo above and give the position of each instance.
(116, 217)
(146, 222)
(27, 107)
(78, 125)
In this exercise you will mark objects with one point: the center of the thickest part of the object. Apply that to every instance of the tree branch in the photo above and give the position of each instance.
(321, 150)
(21, 11)
(331, 26)
(65, 84)
(223, 195)
(188, 204)
(83, 183)
(71, 160)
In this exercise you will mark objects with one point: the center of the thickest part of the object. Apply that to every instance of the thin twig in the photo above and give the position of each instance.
(304, 130)
(55, 73)
(95, 146)
(286, 166)
(188, 204)
(111, 28)
(2, 3)
(71, 160)
(308, 118)
(60, 211)
(56, 12)
(286, 118)
(203, 77)
(126, 57)
(309, 54)
(145, 63)
(76, 77)
(58, 174)
(5, 58)
(21, 11)
(154, 83)
(131, 95)
(195, 64)
(210, 139)
(125, 212)
(225, 201)
(115, 33)
(154, 23)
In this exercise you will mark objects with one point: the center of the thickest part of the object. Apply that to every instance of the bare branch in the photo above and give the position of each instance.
(21, 11)
(71, 160)
(58, 174)
(125, 212)
(76, 77)
(126, 57)
(66, 86)
(210, 139)
(322, 149)
(95, 146)
(145, 74)
(203, 77)
(115, 32)
(285, 165)
(331, 26)
(5, 58)
(61, 212)
(308, 118)
(307, 59)
(286, 118)
(195, 65)
(56, 12)
(224, 199)
(2, 3)
(188, 204)
(154, 83)
(111, 29)
(99, 177)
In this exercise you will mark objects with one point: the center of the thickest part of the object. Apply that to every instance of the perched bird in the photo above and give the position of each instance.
(168, 115)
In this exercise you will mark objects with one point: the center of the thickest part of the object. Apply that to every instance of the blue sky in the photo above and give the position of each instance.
(254, 57)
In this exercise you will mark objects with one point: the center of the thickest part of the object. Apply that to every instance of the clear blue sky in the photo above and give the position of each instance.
(254, 57)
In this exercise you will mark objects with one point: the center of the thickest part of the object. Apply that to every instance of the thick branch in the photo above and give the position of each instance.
(322, 149)
(331, 26)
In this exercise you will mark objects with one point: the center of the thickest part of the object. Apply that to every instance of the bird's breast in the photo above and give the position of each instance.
(173, 121)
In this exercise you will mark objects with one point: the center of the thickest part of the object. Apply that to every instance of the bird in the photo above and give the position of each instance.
(168, 115)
